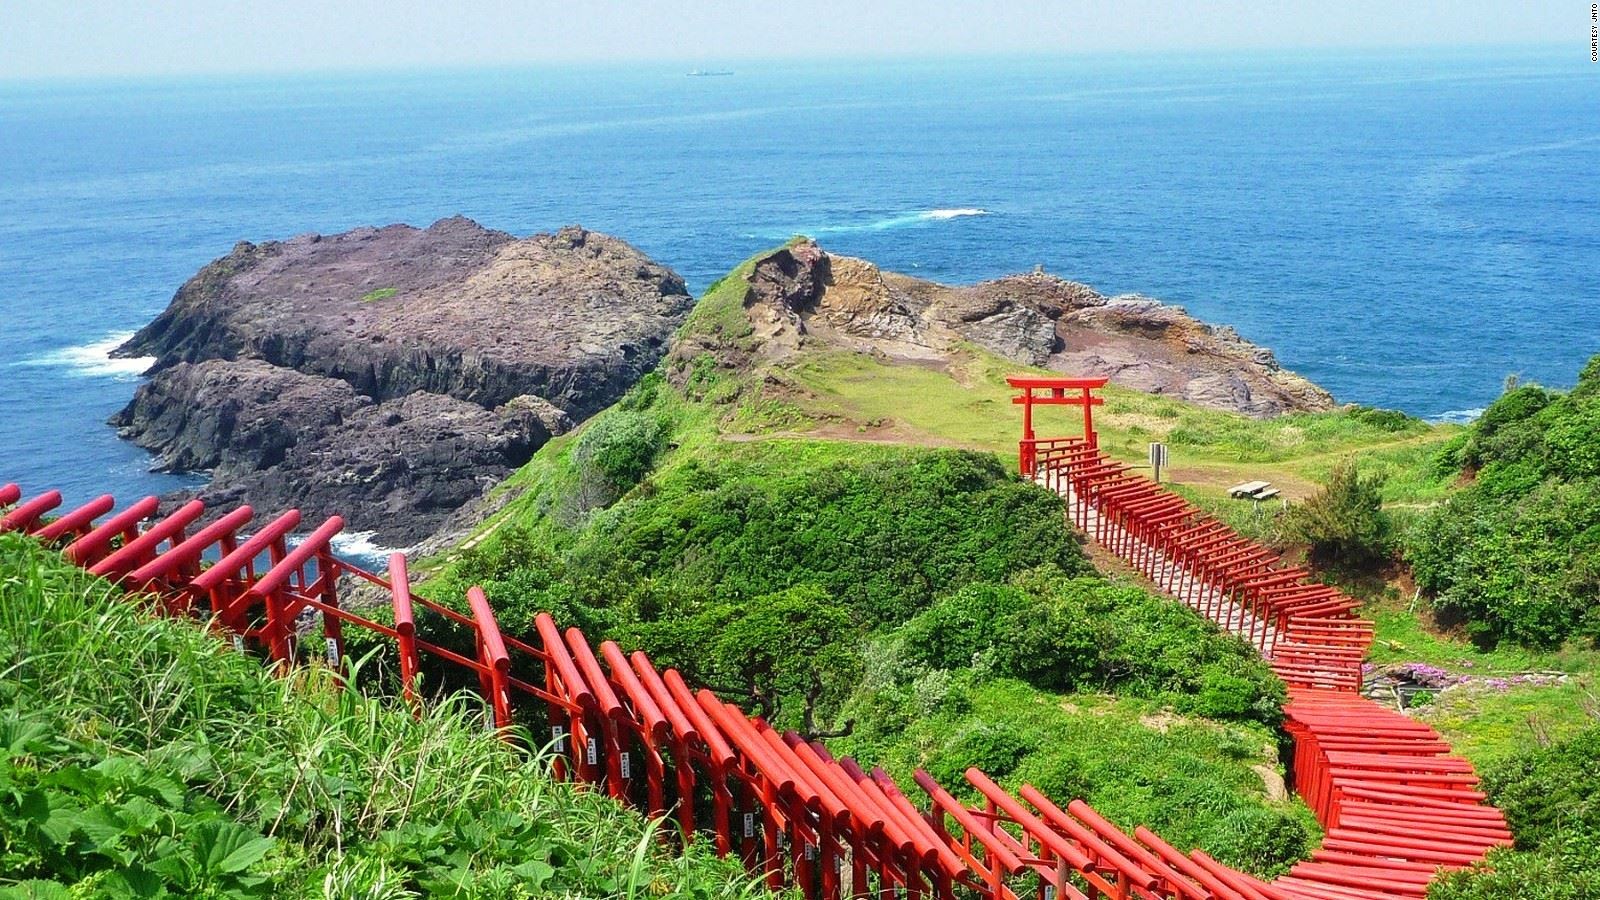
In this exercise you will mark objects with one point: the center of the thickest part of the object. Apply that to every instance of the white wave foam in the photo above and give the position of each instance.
(94, 360)
(360, 545)
(907, 220)
(1457, 416)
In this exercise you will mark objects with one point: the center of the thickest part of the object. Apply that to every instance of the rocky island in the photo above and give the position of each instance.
(393, 374)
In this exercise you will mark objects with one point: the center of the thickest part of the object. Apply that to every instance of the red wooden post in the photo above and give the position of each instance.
(1025, 449)
(332, 628)
(492, 654)
(405, 627)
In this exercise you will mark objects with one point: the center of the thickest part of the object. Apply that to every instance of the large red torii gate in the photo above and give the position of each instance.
(1060, 392)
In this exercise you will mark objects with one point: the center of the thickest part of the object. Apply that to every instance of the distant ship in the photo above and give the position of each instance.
(707, 73)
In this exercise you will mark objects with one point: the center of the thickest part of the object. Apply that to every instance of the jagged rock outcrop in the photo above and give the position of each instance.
(391, 374)
(802, 293)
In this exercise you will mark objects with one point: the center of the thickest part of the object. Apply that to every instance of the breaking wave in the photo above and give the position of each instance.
(1457, 416)
(906, 220)
(94, 359)
(359, 547)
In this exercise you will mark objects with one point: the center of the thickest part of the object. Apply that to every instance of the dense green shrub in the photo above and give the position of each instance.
(1068, 634)
(1382, 419)
(952, 632)
(1549, 791)
(1344, 523)
(796, 644)
(1499, 432)
(883, 535)
(621, 447)
(1567, 870)
(995, 748)
(1551, 798)
(1526, 570)
(1516, 554)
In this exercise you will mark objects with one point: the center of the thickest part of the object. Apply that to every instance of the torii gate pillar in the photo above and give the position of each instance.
(1055, 392)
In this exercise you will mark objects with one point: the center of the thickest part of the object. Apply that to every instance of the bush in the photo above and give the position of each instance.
(1497, 434)
(951, 633)
(795, 649)
(1549, 791)
(1070, 634)
(1551, 798)
(1382, 419)
(1260, 839)
(1517, 553)
(883, 535)
(1344, 523)
(1525, 570)
(995, 748)
(1568, 870)
(621, 447)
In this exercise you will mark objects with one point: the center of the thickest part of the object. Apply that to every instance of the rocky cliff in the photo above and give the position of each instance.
(802, 295)
(391, 374)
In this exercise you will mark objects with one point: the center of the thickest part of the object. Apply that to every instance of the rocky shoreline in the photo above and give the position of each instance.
(393, 374)
(802, 295)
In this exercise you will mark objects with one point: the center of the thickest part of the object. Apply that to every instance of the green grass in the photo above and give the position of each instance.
(719, 311)
(379, 294)
(969, 405)
(138, 746)
(1402, 637)
(1488, 725)
(1190, 780)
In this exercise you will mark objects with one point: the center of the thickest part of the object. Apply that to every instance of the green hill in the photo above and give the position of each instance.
(736, 479)
(840, 508)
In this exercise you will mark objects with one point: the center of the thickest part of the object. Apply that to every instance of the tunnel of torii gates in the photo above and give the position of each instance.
(1395, 805)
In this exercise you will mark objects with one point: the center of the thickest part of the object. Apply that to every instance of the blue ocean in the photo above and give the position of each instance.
(1406, 229)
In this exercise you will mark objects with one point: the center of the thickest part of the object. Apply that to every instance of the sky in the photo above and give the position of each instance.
(41, 39)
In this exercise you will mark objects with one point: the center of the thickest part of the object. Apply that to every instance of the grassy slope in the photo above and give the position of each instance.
(845, 406)
(969, 406)
(146, 739)
(837, 408)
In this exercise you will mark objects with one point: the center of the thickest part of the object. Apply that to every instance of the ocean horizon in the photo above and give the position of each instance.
(1405, 228)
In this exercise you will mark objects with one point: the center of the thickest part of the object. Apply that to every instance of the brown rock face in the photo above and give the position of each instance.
(390, 374)
(801, 293)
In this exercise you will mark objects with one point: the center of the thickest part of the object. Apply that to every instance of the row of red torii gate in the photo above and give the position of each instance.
(1395, 804)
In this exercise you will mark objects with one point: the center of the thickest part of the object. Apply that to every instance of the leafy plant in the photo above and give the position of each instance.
(144, 758)
(1516, 554)
(1069, 634)
(1551, 798)
(1344, 523)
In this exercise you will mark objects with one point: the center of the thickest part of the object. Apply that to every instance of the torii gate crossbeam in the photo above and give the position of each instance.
(1053, 391)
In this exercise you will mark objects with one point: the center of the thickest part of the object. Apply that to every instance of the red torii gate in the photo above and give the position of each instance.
(1057, 395)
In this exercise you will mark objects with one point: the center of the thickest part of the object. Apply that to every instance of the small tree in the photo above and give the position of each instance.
(793, 644)
(1344, 523)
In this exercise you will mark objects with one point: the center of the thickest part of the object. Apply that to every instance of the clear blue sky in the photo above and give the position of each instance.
(52, 38)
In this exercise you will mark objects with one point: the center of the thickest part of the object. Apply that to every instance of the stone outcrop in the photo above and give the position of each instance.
(803, 294)
(391, 374)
